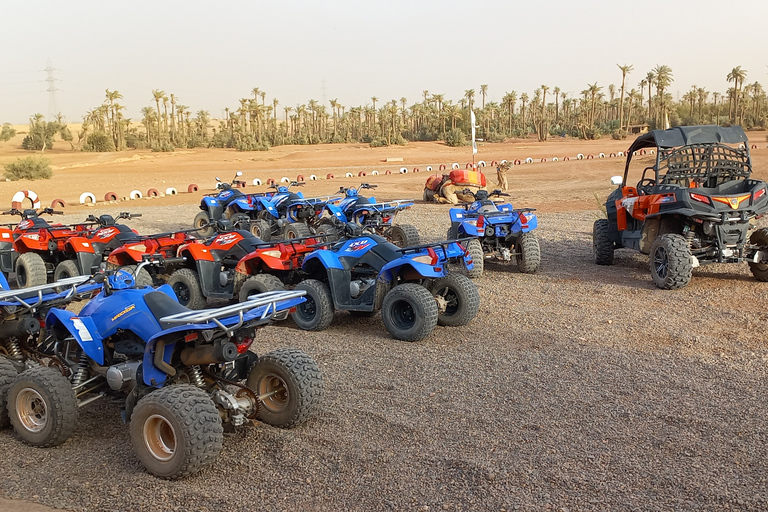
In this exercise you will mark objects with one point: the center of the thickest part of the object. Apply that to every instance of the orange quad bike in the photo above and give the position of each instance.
(38, 246)
(94, 239)
(134, 251)
(696, 204)
(220, 267)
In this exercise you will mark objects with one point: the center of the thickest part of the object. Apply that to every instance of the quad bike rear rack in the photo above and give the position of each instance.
(204, 316)
(24, 295)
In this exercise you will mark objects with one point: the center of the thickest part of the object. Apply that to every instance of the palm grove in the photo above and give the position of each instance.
(255, 124)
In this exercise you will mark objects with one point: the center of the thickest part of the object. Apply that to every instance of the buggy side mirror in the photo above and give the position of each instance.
(617, 180)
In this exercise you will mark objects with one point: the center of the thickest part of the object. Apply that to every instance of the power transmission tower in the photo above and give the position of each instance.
(53, 109)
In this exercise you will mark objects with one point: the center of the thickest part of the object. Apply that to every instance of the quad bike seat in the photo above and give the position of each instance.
(161, 305)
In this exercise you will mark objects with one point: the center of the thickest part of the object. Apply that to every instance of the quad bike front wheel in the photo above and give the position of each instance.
(30, 270)
(670, 257)
(409, 312)
(458, 299)
(290, 386)
(67, 268)
(186, 285)
(202, 225)
(142, 279)
(42, 407)
(327, 232)
(316, 313)
(296, 230)
(475, 250)
(176, 431)
(259, 283)
(404, 235)
(759, 270)
(528, 253)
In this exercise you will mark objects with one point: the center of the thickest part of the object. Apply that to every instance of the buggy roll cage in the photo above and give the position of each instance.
(697, 154)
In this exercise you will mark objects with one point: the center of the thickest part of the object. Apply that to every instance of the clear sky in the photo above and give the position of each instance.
(211, 53)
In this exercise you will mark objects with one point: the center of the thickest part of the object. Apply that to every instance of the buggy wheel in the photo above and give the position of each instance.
(259, 284)
(201, 219)
(186, 286)
(327, 232)
(30, 270)
(760, 270)
(296, 230)
(409, 312)
(176, 431)
(42, 407)
(528, 253)
(459, 297)
(671, 261)
(290, 384)
(7, 376)
(475, 250)
(316, 313)
(261, 230)
(142, 279)
(602, 244)
(404, 235)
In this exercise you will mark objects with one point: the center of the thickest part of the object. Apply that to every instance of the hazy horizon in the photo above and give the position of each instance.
(209, 57)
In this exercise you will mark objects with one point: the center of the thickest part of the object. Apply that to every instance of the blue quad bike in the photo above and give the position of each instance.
(181, 374)
(375, 217)
(227, 203)
(286, 214)
(502, 232)
(410, 286)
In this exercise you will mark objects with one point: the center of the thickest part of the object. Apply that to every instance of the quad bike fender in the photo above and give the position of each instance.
(78, 244)
(82, 328)
(3, 281)
(411, 270)
(266, 205)
(336, 211)
(210, 283)
(470, 229)
(251, 263)
(338, 281)
(29, 242)
(240, 204)
(209, 202)
(195, 252)
(326, 259)
(86, 261)
(7, 256)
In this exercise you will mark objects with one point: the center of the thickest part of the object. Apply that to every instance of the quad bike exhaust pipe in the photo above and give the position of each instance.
(209, 354)
(19, 328)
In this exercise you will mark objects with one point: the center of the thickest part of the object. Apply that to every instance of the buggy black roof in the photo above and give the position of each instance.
(687, 135)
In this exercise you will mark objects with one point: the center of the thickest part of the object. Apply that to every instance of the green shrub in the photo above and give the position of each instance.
(619, 134)
(455, 138)
(99, 142)
(29, 168)
(163, 147)
(7, 132)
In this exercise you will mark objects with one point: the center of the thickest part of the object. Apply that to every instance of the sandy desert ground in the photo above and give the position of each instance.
(576, 388)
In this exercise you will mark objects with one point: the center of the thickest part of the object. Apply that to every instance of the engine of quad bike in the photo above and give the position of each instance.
(358, 286)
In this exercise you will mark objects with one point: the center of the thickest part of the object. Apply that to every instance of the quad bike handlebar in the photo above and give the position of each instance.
(343, 190)
(31, 213)
(291, 184)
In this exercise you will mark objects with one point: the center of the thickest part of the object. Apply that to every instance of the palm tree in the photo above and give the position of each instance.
(158, 95)
(484, 91)
(649, 80)
(737, 75)
(556, 92)
(663, 80)
(625, 70)
(470, 95)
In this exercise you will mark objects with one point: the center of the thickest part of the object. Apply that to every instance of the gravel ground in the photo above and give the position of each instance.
(576, 388)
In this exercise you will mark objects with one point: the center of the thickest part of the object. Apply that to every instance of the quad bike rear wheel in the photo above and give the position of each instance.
(261, 229)
(459, 299)
(142, 279)
(316, 313)
(30, 270)
(259, 283)
(670, 257)
(201, 220)
(760, 270)
(404, 235)
(528, 253)
(186, 285)
(602, 245)
(66, 268)
(176, 431)
(475, 250)
(7, 376)
(290, 385)
(296, 230)
(327, 232)
(409, 312)
(42, 407)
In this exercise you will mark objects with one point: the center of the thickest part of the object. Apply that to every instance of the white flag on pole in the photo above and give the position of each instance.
(472, 121)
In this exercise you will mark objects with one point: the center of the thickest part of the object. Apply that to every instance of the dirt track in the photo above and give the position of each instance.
(579, 387)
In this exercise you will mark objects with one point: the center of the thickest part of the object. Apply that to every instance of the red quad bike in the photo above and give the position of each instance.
(134, 251)
(695, 205)
(39, 246)
(209, 267)
(98, 236)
